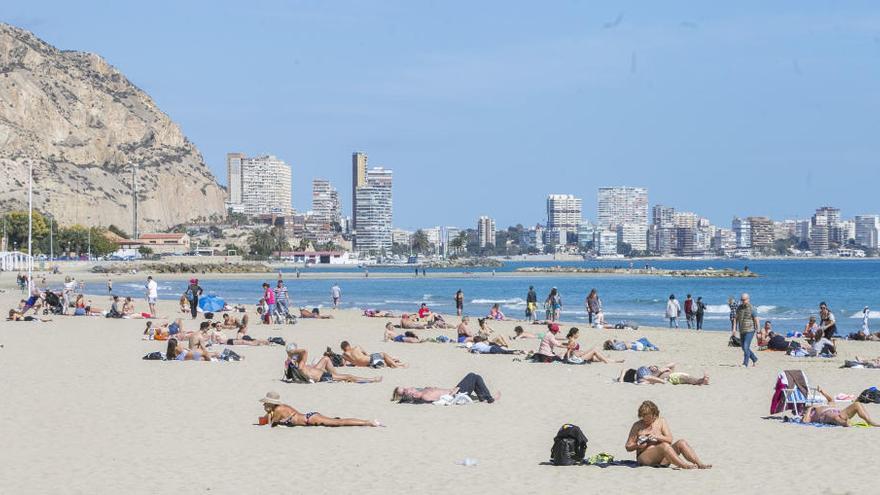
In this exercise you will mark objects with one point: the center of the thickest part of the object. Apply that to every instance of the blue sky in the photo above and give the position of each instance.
(724, 108)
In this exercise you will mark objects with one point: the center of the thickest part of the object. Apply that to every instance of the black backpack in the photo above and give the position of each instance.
(734, 341)
(335, 359)
(569, 446)
(292, 374)
(870, 396)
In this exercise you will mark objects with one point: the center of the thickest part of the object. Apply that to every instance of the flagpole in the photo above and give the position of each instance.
(30, 218)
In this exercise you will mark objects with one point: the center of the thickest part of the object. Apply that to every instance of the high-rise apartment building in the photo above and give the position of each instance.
(620, 205)
(824, 229)
(563, 217)
(259, 185)
(868, 231)
(233, 175)
(663, 216)
(373, 205)
(325, 202)
(358, 179)
(761, 234)
(743, 232)
(634, 235)
(486, 231)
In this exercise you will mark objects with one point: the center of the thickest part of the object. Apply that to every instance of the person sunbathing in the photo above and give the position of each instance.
(323, 370)
(356, 356)
(280, 414)
(464, 333)
(491, 335)
(230, 322)
(654, 445)
(834, 414)
(15, 315)
(647, 374)
(642, 344)
(128, 308)
(216, 336)
(574, 349)
(176, 352)
(481, 346)
(472, 384)
(406, 337)
(438, 322)
(376, 313)
(519, 333)
(184, 304)
(408, 323)
(313, 313)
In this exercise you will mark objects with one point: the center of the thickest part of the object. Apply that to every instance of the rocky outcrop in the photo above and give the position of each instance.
(82, 124)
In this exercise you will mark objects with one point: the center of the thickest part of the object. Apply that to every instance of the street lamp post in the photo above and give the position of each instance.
(30, 218)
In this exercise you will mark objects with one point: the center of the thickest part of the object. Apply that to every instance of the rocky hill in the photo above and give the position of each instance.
(82, 123)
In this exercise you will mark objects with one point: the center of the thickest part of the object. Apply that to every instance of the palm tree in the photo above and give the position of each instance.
(420, 242)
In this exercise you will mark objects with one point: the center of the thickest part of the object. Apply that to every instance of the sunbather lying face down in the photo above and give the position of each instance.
(323, 371)
(472, 384)
(405, 337)
(356, 356)
(652, 441)
(280, 414)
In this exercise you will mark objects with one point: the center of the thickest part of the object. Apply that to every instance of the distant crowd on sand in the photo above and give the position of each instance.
(650, 437)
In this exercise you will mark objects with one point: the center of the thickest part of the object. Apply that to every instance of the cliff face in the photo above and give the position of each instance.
(81, 124)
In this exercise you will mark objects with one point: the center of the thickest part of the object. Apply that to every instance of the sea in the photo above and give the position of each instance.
(787, 291)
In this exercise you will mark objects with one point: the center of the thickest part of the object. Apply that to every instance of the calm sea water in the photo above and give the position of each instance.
(787, 292)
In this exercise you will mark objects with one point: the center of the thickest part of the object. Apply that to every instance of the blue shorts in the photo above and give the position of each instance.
(399, 338)
(462, 339)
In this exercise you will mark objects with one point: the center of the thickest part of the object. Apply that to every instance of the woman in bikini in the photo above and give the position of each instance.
(652, 441)
(832, 414)
(491, 335)
(175, 352)
(280, 414)
(574, 349)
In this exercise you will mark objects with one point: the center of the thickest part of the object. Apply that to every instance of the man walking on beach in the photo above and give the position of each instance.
(699, 312)
(689, 311)
(532, 304)
(152, 295)
(282, 299)
(336, 295)
(747, 322)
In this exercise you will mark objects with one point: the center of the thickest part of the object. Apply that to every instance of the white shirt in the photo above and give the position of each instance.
(335, 291)
(865, 324)
(672, 308)
(481, 348)
(152, 289)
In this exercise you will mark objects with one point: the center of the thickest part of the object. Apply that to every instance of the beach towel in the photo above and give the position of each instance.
(459, 399)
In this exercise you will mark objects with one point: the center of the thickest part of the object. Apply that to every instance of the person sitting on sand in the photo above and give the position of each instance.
(464, 333)
(472, 384)
(425, 313)
(547, 348)
(15, 315)
(184, 304)
(230, 322)
(835, 414)
(377, 313)
(495, 313)
(313, 313)
(323, 370)
(491, 335)
(574, 349)
(280, 414)
(652, 441)
(356, 356)
(481, 346)
(812, 331)
(409, 324)
(406, 337)
(519, 333)
(642, 344)
(763, 334)
(176, 352)
(128, 308)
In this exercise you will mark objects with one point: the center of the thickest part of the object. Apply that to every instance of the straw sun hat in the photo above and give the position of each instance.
(271, 398)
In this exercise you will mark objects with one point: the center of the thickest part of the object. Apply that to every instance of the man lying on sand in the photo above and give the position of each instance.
(406, 337)
(356, 356)
(519, 333)
(216, 336)
(408, 323)
(833, 414)
(280, 414)
(313, 313)
(323, 371)
(472, 384)
(651, 439)
(19, 316)
(653, 375)
(377, 313)
(482, 346)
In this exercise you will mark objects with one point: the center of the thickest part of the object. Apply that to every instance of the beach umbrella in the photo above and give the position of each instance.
(211, 304)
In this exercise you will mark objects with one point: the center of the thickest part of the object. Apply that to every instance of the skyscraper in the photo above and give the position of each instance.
(261, 185)
(486, 231)
(868, 231)
(761, 232)
(620, 205)
(358, 179)
(824, 229)
(373, 205)
(325, 202)
(663, 216)
(563, 217)
(743, 231)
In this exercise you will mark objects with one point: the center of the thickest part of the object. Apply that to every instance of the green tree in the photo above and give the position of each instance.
(16, 224)
(116, 230)
(101, 244)
(264, 242)
(145, 251)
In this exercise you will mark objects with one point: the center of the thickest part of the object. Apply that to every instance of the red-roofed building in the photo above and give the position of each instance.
(160, 243)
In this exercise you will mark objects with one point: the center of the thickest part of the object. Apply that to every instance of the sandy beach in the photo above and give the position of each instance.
(81, 412)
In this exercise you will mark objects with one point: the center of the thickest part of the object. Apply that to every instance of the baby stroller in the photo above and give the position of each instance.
(282, 315)
(53, 304)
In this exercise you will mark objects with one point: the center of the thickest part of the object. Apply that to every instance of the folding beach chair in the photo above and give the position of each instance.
(793, 392)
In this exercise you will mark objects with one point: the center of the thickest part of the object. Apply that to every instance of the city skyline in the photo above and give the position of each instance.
(784, 100)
